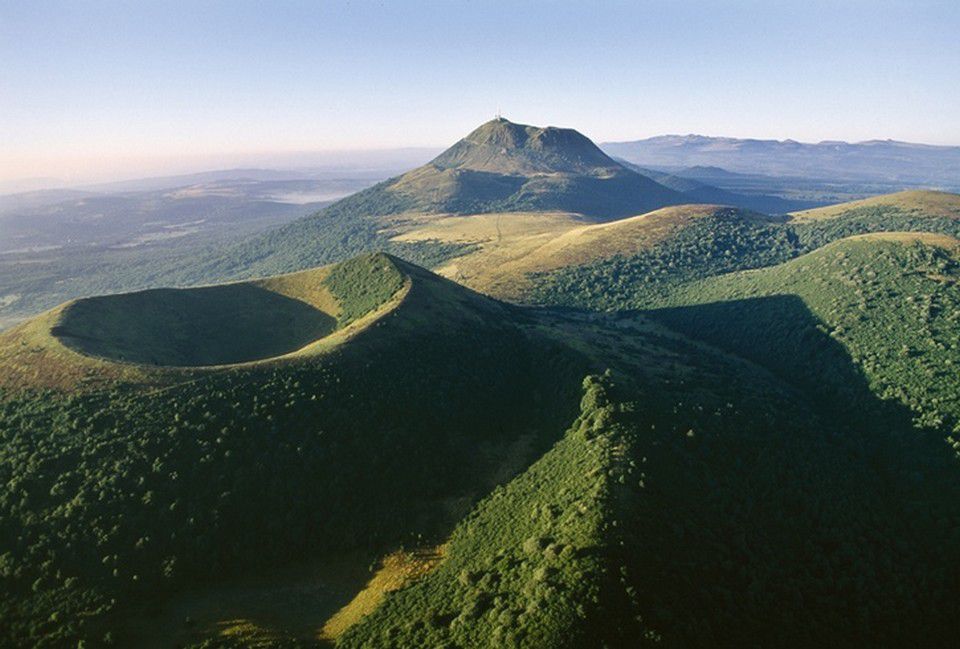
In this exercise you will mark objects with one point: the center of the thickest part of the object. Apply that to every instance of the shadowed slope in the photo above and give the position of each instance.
(387, 429)
(891, 299)
(708, 509)
(163, 336)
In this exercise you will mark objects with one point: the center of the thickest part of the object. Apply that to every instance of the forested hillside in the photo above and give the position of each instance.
(694, 426)
(125, 493)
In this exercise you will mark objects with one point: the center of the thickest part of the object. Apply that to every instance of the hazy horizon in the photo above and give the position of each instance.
(96, 91)
(395, 158)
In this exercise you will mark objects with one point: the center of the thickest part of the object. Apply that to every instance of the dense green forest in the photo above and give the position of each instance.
(765, 442)
(894, 306)
(726, 242)
(722, 507)
(746, 433)
(118, 495)
(719, 508)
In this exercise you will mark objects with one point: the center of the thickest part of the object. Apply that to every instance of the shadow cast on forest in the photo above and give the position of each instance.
(829, 519)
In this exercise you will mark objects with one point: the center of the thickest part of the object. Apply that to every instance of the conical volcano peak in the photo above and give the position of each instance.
(503, 166)
(500, 132)
(502, 146)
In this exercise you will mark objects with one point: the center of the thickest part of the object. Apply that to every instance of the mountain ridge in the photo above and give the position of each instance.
(867, 161)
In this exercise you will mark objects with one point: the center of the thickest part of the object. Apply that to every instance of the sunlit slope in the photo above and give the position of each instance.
(551, 258)
(499, 167)
(508, 250)
(891, 300)
(922, 202)
(910, 211)
(727, 242)
(382, 432)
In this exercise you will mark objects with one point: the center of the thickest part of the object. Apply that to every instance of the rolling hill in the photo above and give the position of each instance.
(697, 191)
(912, 202)
(692, 425)
(129, 482)
(534, 477)
(551, 258)
(512, 251)
(728, 241)
(500, 167)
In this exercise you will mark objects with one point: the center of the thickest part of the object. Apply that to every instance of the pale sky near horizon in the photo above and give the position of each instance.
(91, 90)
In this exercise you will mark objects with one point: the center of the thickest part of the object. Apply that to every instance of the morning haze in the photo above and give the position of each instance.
(96, 89)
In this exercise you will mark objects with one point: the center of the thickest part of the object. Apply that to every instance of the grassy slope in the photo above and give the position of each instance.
(720, 242)
(71, 346)
(891, 300)
(500, 167)
(543, 258)
(727, 242)
(508, 248)
(926, 202)
(267, 461)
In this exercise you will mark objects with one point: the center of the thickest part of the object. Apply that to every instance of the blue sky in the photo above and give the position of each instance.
(86, 87)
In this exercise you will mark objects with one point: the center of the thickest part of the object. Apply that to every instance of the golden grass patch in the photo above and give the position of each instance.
(928, 202)
(511, 245)
(927, 238)
(396, 571)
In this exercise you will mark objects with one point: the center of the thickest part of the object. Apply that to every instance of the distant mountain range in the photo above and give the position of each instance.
(690, 184)
(871, 161)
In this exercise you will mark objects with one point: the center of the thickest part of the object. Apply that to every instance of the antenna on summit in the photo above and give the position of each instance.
(499, 114)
